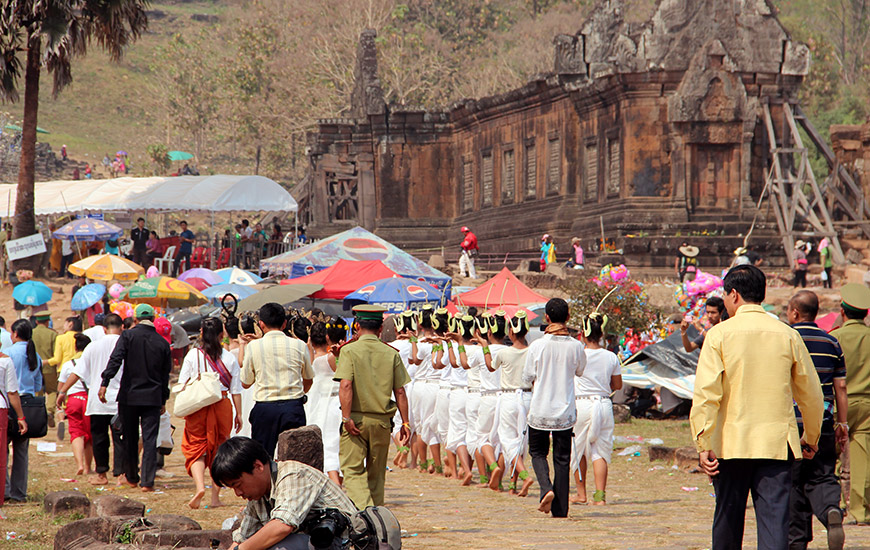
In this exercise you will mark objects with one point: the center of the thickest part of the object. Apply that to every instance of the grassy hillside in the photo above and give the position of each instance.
(109, 106)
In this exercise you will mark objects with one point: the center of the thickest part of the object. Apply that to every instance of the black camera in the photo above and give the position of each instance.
(324, 526)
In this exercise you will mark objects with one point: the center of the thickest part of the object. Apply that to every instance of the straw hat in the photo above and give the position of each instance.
(799, 244)
(689, 251)
(575, 240)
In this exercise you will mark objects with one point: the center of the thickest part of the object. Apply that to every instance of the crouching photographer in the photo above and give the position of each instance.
(292, 506)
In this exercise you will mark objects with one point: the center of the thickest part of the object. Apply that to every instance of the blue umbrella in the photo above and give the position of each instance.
(32, 293)
(88, 229)
(239, 291)
(234, 275)
(394, 293)
(87, 296)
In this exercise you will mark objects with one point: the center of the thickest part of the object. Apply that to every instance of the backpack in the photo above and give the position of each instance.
(375, 528)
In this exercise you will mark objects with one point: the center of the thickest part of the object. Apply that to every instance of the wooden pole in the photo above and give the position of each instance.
(601, 221)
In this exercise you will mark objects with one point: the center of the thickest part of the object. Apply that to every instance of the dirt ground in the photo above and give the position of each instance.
(650, 505)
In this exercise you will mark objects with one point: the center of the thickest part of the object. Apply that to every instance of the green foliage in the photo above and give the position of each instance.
(126, 535)
(627, 308)
(159, 155)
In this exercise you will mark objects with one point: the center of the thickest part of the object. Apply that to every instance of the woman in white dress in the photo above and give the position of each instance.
(323, 408)
(490, 388)
(458, 427)
(513, 404)
(406, 325)
(426, 383)
(230, 343)
(593, 431)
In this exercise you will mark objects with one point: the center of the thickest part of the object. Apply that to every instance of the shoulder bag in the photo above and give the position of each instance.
(198, 392)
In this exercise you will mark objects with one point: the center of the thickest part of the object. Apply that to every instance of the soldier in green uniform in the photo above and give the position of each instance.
(854, 338)
(370, 374)
(43, 339)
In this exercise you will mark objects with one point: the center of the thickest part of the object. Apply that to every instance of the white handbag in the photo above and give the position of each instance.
(197, 393)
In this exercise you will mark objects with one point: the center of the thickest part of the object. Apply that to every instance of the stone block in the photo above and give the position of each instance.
(660, 452)
(437, 261)
(621, 414)
(687, 458)
(111, 505)
(853, 256)
(85, 531)
(173, 522)
(303, 444)
(556, 270)
(66, 502)
(185, 539)
(855, 274)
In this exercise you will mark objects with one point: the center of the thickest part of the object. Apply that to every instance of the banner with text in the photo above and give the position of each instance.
(25, 247)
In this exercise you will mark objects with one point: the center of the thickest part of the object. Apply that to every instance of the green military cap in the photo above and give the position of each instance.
(42, 315)
(855, 296)
(369, 311)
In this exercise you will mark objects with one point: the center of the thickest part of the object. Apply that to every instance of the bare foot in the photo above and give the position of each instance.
(512, 492)
(527, 484)
(577, 499)
(146, 489)
(466, 480)
(601, 503)
(215, 504)
(197, 498)
(122, 482)
(495, 478)
(80, 471)
(98, 479)
(546, 502)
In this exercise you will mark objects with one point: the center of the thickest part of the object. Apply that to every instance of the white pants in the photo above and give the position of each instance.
(425, 394)
(397, 418)
(512, 411)
(487, 422)
(472, 405)
(458, 422)
(442, 415)
(593, 431)
(466, 265)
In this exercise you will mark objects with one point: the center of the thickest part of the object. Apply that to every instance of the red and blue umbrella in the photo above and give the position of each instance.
(394, 293)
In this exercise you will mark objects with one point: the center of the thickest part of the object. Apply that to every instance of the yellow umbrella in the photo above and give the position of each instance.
(107, 267)
(165, 291)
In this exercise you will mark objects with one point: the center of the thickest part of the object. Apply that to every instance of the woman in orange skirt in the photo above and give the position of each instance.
(210, 426)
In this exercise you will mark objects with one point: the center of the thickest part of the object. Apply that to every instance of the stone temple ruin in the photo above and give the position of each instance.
(677, 126)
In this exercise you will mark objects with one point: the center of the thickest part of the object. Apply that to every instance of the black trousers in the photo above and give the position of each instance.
(140, 256)
(270, 418)
(815, 489)
(769, 481)
(132, 416)
(101, 427)
(180, 257)
(539, 448)
(800, 278)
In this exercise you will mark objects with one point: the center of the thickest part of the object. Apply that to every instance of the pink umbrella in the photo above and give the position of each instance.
(197, 283)
(205, 274)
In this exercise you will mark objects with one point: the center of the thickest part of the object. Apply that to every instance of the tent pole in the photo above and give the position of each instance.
(295, 229)
(214, 243)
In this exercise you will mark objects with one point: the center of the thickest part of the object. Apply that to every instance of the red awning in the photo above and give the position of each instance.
(343, 278)
(503, 289)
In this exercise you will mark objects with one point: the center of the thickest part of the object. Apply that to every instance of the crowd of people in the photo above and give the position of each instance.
(465, 396)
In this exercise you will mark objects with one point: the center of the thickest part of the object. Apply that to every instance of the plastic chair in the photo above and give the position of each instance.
(196, 260)
(165, 261)
(224, 258)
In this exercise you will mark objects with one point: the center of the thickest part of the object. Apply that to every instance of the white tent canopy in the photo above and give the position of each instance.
(208, 193)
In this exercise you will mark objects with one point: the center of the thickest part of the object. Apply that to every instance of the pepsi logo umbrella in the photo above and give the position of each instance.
(234, 275)
(88, 229)
(87, 296)
(394, 293)
(32, 293)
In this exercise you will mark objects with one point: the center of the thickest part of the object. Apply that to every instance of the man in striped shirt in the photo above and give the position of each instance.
(815, 486)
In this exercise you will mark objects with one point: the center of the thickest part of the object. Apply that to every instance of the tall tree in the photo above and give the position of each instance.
(50, 34)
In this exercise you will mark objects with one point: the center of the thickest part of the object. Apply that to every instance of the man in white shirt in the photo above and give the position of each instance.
(551, 365)
(97, 331)
(89, 369)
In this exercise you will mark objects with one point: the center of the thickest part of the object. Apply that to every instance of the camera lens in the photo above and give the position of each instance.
(323, 533)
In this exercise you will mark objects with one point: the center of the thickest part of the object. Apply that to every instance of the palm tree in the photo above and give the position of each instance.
(50, 34)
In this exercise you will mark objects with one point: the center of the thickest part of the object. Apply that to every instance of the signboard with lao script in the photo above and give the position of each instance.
(25, 247)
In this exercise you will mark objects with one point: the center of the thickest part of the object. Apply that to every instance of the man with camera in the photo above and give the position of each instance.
(289, 503)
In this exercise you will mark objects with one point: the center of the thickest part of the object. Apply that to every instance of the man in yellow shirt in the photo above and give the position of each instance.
(854, 338)
(752, 367)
